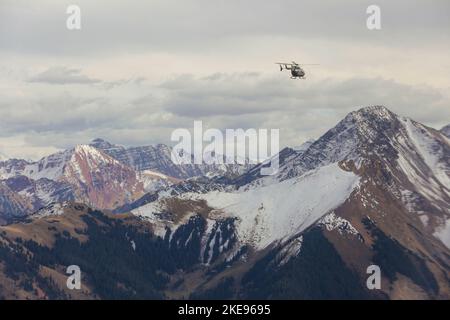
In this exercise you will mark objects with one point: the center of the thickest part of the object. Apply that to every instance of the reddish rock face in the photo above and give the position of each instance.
(100, 180)
(83, 174)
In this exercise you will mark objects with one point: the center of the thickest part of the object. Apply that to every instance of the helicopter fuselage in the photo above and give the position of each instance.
(297, 72)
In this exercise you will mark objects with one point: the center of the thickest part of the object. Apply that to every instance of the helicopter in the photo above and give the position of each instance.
(296, 71)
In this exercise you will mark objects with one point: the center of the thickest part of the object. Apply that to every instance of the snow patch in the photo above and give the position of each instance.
(443, 233)
(428, 149)
(332, 222)
(56, 209)
(155, 213)
(424, 219)
(153, 181)
(291, 250)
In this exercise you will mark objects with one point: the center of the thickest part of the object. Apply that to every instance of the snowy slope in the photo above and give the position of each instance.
(11, 203)
(54, 209)
(53, 167)
(310, 183)
(429, 150)
(443, 233)
(154, 181)
(50, 167)
(12, 167)
(271, 213)
(84, 173)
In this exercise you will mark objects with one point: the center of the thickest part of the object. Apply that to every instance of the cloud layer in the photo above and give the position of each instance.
(137, 71)
(62, 75)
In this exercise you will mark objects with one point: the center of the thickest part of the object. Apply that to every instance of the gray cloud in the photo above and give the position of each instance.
(234, 95)
(196, 24)
(300, 110)
(111, 84)
(62, 75)
(162, 64)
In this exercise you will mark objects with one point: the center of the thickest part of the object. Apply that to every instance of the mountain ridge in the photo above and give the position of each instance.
(373, 189)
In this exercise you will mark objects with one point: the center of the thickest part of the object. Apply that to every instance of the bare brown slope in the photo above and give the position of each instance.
(376, 204)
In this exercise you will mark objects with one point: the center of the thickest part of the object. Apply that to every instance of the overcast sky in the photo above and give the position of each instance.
(139, 69)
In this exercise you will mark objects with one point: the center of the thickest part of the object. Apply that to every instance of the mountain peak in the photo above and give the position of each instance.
(85, 148)
(93, 154)
(369, 121)
(373, 112)
(101, 143)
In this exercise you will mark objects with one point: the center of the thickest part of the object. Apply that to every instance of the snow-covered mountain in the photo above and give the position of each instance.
(101, 174)
(40, 192)
(374, 189)
(12, 167)
(12, 204)
(328, 171)
(158, 158)
(265, 213)
(105, 182)
(82, 174)
(374, 170)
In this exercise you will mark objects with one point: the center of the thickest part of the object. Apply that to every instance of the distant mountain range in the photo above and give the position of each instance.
(374, 189)
(158, 158)
(102, 175)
